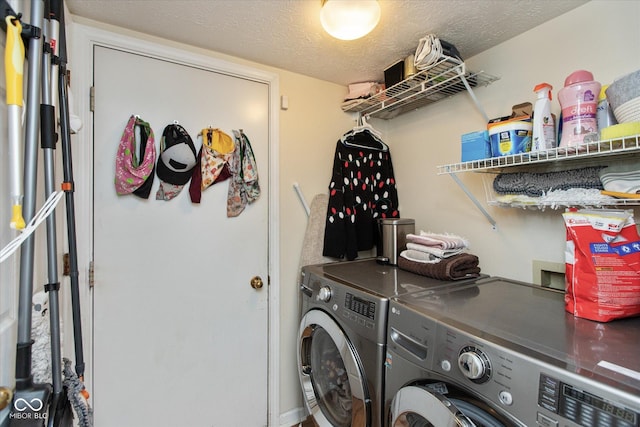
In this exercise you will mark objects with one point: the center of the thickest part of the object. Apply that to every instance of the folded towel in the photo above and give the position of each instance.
(436, 252)
(362, 90)
(459, 266)
(420, 256)
(442, 241)
(623, 178)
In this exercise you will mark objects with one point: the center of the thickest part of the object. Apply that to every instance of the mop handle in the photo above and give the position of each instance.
(14, 64)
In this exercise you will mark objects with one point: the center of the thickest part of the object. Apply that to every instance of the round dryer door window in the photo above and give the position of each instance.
(331, 377)
(416, 406)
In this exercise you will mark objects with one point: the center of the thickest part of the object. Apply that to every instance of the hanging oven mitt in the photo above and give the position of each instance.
(244, 187)
(134, 175)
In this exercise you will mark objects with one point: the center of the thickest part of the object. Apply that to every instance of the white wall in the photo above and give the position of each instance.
(601, 36)
(309, 130)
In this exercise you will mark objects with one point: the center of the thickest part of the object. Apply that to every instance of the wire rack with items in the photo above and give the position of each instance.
(445, 78)
(597, 153)
(583, 154)
(556, 199)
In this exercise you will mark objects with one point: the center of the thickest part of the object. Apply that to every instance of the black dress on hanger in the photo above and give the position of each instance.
(361, 191)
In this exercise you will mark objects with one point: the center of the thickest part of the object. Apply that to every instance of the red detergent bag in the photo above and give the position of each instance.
(602, 264)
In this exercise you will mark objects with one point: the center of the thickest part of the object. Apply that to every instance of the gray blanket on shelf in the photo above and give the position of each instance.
(536, 184)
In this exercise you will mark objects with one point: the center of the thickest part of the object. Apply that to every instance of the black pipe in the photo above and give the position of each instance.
(57, 11)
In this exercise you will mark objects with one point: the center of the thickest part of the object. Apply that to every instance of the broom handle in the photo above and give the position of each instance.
(14, 71)
(57, 10)
(48, 145)
(23, 356)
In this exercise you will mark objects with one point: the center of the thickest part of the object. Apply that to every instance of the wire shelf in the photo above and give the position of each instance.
(590, 153)
(445, 78)
(616, 146)
(566, 204)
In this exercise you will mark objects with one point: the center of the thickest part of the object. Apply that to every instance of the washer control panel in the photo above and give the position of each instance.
(355, 309)
(360, 306)
(324, 294)
(582, 406)
(474, 364)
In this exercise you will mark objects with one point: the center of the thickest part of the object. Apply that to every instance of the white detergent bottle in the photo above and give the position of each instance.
(544, 129)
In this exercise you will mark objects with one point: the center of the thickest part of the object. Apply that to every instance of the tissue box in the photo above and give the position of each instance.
(475, 146)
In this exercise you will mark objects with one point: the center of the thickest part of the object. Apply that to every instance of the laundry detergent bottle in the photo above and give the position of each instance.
(544, 127)
(579, 102)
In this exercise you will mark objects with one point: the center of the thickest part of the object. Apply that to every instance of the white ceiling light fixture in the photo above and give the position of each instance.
(349, 19)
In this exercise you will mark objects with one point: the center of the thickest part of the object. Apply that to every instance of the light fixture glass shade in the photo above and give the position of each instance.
(349, 19)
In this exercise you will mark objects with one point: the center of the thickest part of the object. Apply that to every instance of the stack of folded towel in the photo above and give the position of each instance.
(621, 178)
(440, 256)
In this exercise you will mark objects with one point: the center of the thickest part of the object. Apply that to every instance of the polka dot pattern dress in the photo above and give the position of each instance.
(362, 189)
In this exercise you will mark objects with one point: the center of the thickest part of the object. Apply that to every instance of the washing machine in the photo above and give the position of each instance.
(342, 337)
(505, 353)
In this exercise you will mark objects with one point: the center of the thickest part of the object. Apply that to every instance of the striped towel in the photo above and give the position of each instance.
(440, 241)
(624, 178)
(434, 251)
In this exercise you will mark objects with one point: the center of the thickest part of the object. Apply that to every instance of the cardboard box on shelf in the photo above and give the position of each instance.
(475, 146)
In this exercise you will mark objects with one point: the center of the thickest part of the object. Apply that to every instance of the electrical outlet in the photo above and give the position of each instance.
(549, 274)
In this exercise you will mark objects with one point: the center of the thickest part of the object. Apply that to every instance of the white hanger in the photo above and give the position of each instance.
(365, 127)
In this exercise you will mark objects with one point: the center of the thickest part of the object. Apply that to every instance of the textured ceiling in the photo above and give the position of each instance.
(287, 33)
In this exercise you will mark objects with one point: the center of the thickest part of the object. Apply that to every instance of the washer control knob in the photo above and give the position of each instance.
(474, 364)
(324, 294)
(445, 365)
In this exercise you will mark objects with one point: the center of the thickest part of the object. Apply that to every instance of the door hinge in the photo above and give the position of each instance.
(92, 98)
(91, 277)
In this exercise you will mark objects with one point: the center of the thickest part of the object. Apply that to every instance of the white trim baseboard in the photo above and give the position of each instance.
(292, 417)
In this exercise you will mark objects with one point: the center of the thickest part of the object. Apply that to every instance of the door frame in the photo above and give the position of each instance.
(83, 38)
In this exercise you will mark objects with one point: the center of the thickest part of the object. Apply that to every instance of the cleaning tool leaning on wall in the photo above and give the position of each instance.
(73, 381)
(26, 391)
(60, 413)
(14, 71)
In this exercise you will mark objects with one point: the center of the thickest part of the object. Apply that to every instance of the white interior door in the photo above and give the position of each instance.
(180, 337)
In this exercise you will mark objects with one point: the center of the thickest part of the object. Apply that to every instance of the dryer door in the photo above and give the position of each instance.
(331, 375)
(415, 406)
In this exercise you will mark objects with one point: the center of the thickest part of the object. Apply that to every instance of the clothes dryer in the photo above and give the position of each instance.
(505, 353)
(342, 337)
